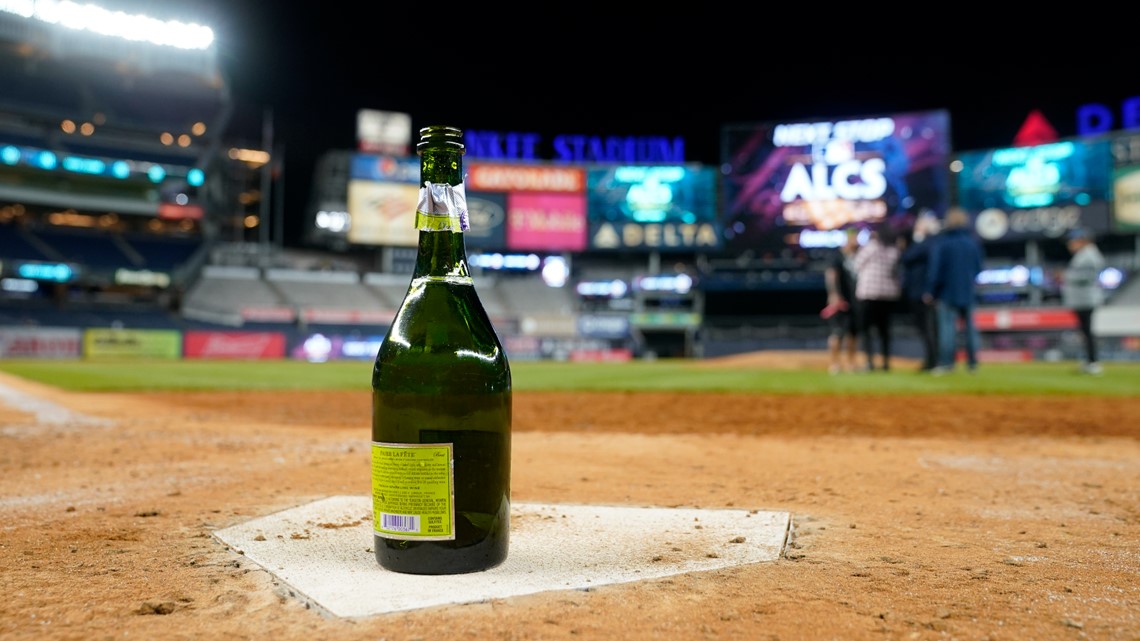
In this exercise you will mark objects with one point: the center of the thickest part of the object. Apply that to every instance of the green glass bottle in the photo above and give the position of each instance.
(441, 397)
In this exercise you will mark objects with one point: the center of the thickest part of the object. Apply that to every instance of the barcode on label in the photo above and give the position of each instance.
(399, 522)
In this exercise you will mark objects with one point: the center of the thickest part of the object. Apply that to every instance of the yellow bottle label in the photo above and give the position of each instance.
(413, 491)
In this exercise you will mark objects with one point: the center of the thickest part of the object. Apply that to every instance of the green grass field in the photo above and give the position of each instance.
(1120, 379)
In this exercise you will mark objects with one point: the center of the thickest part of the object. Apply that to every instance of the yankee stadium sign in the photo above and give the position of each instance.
(574, 148)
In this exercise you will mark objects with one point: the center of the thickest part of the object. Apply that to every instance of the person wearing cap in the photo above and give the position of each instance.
(1081, 291)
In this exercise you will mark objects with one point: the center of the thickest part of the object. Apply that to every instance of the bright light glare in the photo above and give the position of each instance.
(334, 221)
(251, 156)
(555, 271)
(88, 17)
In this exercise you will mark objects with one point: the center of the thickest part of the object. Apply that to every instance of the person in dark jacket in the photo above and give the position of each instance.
(914, 260)
(955, 262)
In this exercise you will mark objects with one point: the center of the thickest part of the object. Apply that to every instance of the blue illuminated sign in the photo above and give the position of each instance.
(1095, 118)
(1054, 174)
(55, 272)
(156, 173)
(46, 160)
(574, 148)
(81, 165)
(122, 169)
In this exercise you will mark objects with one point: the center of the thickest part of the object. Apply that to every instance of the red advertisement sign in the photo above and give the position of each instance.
(203, 344)
(615, 355)
(1000, 320)
(514, 178)
(24, 342)
(172, 211)
(1001, 356)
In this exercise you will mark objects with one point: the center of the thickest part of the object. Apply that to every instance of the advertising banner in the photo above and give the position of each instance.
(39, 342)
(996, 224)
(546, 222)
(487, 212)
(609, 355)
(783, 183)
(665, 320)
(1037, 192)
(532, 348)
(1126, 183)
(1126, 199)
(131, 343)
(318, 347)
(331, 316)
(653, 208)
(515, 178)
(1008, 319)
(526, 207)
(238, 345)
(383, 213)
(268, 314)
(382, 168)
(603, 326)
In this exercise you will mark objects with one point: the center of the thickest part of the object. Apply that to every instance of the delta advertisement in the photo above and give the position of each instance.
(803, 183)
(1037, 192)
(653, 208)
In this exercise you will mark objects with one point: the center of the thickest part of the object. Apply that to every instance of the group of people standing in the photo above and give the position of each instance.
(933, 270)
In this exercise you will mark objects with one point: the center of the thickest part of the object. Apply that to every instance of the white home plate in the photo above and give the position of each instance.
(323, 551)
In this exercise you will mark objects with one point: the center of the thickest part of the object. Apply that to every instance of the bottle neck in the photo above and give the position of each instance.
(441, 253)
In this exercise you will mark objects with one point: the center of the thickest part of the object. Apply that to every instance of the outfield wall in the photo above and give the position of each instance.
(1003, 340)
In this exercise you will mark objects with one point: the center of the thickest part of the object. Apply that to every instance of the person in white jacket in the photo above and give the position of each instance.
(1081, 290)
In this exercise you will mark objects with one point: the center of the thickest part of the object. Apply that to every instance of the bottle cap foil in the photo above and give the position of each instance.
(442, 207)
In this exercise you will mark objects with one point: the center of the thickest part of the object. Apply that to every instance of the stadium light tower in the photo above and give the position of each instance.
(96, 19)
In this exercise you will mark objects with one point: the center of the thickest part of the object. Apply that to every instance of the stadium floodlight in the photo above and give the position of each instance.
(96, 19)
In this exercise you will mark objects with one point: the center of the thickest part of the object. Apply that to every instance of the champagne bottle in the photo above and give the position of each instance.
(441, 397)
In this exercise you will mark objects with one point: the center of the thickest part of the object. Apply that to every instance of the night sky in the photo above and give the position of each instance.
(581, 70)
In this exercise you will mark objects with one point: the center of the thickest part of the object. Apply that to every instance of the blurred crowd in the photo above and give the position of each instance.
(930, 273)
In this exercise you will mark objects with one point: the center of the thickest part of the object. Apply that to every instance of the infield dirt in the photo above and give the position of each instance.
(942, 517)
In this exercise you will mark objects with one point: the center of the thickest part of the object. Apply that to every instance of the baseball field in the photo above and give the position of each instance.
(1003, 505)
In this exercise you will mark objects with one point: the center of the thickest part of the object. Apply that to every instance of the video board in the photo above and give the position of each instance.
(523, 207)
(526, 207)
(382, 195)
(653, 208)
(802, 183)
(1037, 191)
